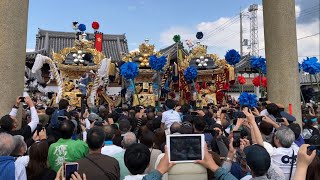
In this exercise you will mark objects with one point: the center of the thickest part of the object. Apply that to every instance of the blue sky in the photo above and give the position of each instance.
(159, 20)
(137, 18)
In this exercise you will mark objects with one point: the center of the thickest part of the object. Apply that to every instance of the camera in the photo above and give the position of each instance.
(258, 119)
(22, 99)
(279, 120)
(99, 123)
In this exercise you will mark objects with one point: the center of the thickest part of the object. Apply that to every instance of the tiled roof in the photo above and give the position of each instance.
(244, 65)
(173, 49)
(306, 79)
(246, 88)
(46, 41)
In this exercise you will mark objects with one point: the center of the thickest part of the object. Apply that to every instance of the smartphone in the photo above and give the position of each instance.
(313, 147)
(22, 99)
(69, 169)
(239, 114)
(61, 118)
(39, 128)
(185, 147)
(258, 119)
(279, 120)
(98, 123)
(236, 138)
(263, 99)
(194, 113)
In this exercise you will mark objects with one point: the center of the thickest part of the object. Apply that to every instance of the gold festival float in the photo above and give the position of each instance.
(84, 71)
(79, 71)
(214, 75)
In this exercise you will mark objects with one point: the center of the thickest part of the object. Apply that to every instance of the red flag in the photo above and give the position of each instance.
(98, 41)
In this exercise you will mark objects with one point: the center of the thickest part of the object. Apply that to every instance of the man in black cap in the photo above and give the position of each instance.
(259, 161)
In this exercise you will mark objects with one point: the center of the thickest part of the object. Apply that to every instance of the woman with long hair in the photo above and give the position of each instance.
(38, 162)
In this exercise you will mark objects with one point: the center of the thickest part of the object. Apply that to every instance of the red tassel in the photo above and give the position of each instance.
(204, 85)
(219, 96)
(188, 96)
(226, 86)
(198, 87)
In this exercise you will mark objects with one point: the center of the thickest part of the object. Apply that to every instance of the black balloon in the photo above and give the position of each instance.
(199, 35)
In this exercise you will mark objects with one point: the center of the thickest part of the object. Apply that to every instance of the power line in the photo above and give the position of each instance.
(221, 27)
(300, 38)
(308, 36)
(309, 56)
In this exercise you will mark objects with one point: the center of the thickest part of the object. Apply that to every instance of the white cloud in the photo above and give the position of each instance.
(29, 50)
(219, 40)
(166, 37)
(133, 50)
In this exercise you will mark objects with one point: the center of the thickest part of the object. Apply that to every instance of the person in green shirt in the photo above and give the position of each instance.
(66, 149)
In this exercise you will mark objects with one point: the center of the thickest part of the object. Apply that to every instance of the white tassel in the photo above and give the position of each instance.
(103, 71)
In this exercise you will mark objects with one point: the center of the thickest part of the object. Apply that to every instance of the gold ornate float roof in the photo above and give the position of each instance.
(76, 70)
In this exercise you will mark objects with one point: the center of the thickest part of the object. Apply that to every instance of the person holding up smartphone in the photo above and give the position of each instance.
(305, 158)
(9, 122)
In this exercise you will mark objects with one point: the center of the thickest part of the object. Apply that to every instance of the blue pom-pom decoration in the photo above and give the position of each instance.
(311, 65)
(157, 63)
(264, 69)
(246, 99)
(82, 27)
(129, 70)
(232, 57)
(259, 63)
(190, 74)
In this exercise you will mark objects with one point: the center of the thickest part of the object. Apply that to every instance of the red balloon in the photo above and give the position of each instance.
(95, 25)
(242, 80)
(264, 82)
(256, 81)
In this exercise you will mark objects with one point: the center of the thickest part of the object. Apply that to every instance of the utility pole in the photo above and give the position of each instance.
(254, 30)
(254, 37)
(241, 32)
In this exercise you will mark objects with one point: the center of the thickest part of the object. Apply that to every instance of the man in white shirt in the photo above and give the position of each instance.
(285, 152)
(170, 115)
(109, 148)
(9, 123)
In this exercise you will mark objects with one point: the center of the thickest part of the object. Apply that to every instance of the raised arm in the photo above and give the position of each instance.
(34, 114)
(270, 121)
(15, 108)
(252, 122)
(303, 161)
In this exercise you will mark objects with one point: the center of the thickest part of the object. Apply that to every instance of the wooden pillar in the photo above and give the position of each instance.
(281, 54)
(13, 37)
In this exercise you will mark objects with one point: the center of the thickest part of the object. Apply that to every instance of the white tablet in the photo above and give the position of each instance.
(185, 147)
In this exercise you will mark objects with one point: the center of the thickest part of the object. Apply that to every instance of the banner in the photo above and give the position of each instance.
(98, 41)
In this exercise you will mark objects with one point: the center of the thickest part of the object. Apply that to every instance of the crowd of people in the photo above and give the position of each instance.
(130, 144)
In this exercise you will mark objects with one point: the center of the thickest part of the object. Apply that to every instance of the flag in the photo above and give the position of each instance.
(98, 41)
